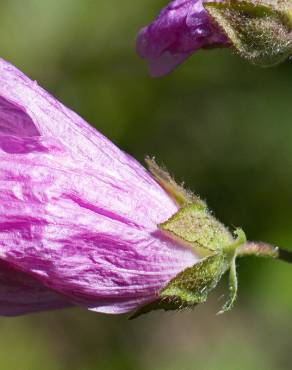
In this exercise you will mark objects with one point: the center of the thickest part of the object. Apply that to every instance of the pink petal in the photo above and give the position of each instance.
(76, 213)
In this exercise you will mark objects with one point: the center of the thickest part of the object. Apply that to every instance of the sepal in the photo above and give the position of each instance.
(259, 30)
(178, 193)
(196, 226)
(194, 284)
(190, 287)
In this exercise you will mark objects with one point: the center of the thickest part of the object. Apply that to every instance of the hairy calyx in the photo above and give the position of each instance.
(195, 227)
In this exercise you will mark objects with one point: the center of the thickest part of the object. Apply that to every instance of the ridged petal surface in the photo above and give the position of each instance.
(78, 217)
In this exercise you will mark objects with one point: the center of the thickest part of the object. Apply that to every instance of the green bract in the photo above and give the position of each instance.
(195, 227)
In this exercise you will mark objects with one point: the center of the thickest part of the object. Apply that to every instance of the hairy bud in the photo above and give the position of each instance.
(259, 30)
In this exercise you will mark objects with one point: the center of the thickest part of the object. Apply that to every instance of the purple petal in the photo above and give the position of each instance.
(76, 213)
(181, 28)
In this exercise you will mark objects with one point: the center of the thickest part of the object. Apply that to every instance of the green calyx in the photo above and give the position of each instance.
(194, 227)
(194, 284)
(259, 30)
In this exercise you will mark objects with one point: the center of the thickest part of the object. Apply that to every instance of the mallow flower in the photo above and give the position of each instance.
(259, 30)
(84, 224)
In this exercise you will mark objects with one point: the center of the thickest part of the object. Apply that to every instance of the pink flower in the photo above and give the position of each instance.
(181, 28)
(78, 217)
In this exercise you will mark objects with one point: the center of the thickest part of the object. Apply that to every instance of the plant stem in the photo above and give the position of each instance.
(284, 255)
(260, 249)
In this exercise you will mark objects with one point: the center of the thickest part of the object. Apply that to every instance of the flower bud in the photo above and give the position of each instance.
(259, 30)
(83, 224)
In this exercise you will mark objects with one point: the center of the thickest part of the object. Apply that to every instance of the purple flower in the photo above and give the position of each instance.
(181, 28)
(78, 217)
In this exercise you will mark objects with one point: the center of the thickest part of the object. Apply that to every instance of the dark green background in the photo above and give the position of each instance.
(217, 123)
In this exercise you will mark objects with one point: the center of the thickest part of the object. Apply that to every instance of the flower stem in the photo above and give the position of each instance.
(284, 255)
(260, 249)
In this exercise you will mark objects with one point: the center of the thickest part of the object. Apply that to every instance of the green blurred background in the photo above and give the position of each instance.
(217, 123)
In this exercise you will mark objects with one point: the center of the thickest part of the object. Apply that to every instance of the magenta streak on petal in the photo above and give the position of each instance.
(101, 211)
(12, 144)
(78, 215)
(27, 227)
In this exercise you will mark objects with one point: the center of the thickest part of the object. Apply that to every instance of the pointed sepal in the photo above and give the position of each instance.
(165, 304)
(190, 287)
(194, 284)
(179, 194)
